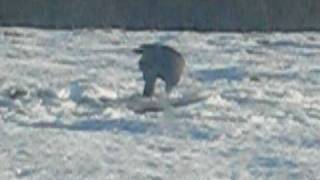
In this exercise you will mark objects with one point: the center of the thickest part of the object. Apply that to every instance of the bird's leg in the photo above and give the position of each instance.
(169, 88)
(149, 86)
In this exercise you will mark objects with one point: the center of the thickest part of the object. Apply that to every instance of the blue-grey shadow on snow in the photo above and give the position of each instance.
(288, 44)
(268, 166)
(94, 125)
(133, 127)
(232, 73)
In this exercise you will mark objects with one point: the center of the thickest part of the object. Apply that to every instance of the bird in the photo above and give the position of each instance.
(160, 61)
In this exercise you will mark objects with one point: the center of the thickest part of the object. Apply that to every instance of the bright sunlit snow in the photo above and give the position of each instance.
(63, 112)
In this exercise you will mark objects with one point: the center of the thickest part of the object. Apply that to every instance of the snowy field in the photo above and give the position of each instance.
(59, 116)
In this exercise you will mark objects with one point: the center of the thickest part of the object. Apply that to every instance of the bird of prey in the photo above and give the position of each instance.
(160, 61)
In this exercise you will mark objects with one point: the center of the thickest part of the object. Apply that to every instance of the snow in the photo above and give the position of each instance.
(61, 117)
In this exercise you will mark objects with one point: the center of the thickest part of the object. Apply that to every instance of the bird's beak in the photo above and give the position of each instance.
(138, 50)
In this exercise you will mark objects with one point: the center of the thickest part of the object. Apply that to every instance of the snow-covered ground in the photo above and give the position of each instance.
(57, 122)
